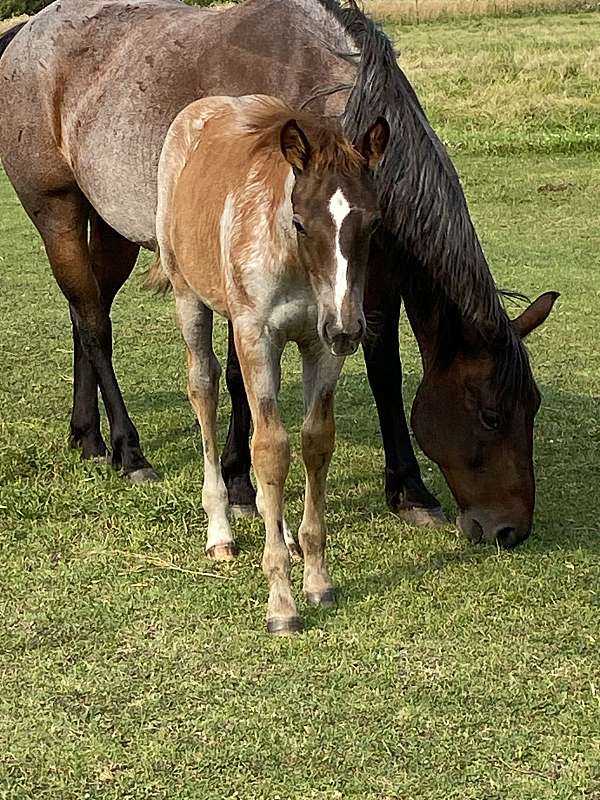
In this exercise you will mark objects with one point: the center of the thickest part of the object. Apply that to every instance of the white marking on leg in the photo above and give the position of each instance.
(339, 208)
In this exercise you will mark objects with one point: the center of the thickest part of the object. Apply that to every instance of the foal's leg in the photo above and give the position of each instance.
(62, 222)
(235, 460)
(259, 360)
(195, 321)
(320, 373)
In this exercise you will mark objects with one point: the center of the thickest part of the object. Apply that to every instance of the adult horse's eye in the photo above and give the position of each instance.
(490, 419)
(298, 225)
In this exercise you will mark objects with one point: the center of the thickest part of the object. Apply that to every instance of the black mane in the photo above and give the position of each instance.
(425, 207)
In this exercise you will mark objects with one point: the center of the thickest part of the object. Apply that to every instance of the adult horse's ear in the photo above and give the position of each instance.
(294, 145)
(537, 313)
(373, 143)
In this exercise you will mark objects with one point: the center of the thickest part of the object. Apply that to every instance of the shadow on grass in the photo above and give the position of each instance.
(566, 475)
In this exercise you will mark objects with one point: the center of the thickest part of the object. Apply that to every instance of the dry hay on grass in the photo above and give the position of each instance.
(5, 24)
(423, 10)
(411, 11)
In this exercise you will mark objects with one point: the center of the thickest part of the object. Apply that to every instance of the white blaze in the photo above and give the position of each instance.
(339, 209)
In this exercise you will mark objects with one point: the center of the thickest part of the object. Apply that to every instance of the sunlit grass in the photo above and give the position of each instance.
(447, 672)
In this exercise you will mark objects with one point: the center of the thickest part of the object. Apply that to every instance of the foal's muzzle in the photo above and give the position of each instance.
(343, 340)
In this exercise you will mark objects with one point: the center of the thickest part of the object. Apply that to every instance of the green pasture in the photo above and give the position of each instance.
(133, 668)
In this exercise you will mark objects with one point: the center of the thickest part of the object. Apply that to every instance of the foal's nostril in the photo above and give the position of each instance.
(331, 329)
(352, 332)
(357, 331)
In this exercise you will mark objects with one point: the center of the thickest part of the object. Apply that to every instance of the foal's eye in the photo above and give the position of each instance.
(298, 225)
(490, 419)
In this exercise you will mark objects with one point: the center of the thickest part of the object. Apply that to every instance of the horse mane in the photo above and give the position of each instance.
(330, 150)
(425, 209)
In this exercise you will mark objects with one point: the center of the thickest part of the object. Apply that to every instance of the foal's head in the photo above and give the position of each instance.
(335, 211)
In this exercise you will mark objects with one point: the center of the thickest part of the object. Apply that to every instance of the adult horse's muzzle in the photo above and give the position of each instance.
(484, 526)
(343, 340)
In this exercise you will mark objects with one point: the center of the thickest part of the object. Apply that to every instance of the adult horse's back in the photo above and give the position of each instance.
(87, 92)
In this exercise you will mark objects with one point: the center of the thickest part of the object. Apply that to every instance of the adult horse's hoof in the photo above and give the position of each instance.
(243, 511)
(423, 517)
(278, 626)
(325, 599)
(144, 475)
(223, 552)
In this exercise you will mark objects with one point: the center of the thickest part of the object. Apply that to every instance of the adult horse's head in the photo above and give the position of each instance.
(473, 415)
(336, 209)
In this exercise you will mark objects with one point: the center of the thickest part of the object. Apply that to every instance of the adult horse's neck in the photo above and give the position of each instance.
(426, 213)
(425, 207)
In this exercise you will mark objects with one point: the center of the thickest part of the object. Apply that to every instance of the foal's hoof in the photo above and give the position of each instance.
(423, 517)
(144, 475)
(241, 511)
(223, 552)
(279, 626)
(325, 599)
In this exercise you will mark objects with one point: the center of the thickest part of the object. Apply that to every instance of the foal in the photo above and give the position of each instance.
(265, 216)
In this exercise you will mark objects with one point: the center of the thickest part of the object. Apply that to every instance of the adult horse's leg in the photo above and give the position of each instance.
(405, 491)
(235, 460)
(113, 259)
(85, 434)
(320, 373)
(83, 274)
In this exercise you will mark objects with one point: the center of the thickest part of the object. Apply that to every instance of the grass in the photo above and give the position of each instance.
(509, 85)
(6, 24)
(418, 11)
(411, 12)
(447, 671)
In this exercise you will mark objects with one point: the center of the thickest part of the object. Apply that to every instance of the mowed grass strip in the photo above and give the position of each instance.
(131, 667)
(510, 85)
(419, 11)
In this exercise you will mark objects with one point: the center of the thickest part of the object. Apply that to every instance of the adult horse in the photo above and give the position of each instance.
(87, 93)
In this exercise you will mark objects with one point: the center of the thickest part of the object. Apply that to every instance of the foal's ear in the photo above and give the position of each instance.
(373, 143)
(294, 145)
(537, 313)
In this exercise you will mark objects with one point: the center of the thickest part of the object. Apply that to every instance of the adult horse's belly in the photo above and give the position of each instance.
(112, 76)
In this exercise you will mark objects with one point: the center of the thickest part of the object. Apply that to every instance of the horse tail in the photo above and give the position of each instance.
(10, 34)
(155, 277)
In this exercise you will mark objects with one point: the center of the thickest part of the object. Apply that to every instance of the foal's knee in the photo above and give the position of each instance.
(271, 453)
(318, 438)
(203, 378)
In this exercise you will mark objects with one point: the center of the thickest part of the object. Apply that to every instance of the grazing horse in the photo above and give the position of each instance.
(88, 91)
(265, 216)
